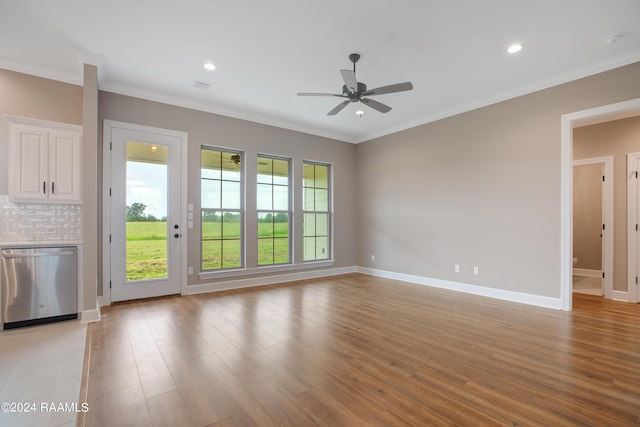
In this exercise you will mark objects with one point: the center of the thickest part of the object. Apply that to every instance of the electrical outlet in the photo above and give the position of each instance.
(457, 268)
(475, 270)
(373, 257)
(189, 270)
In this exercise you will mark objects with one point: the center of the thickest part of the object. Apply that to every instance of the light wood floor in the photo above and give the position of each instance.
(358, 350)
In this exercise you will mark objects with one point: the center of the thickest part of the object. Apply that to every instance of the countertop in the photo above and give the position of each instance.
(35, 243)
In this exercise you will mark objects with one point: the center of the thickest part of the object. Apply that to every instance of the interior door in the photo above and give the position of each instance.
(633, 219)
(633, 285)
(145, 208)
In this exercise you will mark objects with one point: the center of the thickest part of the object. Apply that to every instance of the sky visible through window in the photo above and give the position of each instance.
(147, 184)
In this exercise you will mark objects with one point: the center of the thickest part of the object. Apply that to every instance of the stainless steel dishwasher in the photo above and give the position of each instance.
(39, 285)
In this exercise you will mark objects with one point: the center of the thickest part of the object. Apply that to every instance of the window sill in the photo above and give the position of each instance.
(265, 270)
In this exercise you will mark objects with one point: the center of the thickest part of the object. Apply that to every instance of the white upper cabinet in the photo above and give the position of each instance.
(45, 161)
(64, 165)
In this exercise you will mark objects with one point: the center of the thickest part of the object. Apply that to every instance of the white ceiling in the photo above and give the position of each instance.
(453, 51)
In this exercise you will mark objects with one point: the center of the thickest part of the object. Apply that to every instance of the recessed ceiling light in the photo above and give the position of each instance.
(515, 48)
(209, 66)
(359, 113)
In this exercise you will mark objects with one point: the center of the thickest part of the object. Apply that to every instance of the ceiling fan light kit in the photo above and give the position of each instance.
(355, 91)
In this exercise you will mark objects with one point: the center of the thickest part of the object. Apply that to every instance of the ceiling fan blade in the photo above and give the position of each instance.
(320, 94)
(350, 81)
(376, 105)
(338, 108)
(398, 87)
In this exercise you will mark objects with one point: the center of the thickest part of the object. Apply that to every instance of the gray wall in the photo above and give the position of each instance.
(617, 139)
(478, 189)
(252, 138)
(587, 216)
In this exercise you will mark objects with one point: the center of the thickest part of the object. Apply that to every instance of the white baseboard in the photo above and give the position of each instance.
(265, 280)
(620, 296)
(88, 316)
(585, 272)
(519, 297)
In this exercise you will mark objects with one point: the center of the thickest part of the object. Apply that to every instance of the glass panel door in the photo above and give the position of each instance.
(145, 212)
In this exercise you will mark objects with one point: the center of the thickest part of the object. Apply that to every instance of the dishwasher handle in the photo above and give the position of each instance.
(37, 254)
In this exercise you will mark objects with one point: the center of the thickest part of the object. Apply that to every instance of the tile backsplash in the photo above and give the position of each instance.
(39, 222)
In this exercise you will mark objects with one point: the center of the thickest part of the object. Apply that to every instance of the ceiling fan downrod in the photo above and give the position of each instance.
(354, 57)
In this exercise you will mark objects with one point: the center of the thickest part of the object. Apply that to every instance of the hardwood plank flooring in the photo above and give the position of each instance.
(358, 350)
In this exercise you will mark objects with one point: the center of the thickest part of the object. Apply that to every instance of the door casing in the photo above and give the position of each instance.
(633, 218)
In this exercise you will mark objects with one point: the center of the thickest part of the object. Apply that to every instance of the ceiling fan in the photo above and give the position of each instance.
(356, 91)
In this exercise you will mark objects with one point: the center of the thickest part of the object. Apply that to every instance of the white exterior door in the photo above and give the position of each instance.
(146, 218)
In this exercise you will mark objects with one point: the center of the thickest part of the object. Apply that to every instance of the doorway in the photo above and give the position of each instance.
(145, 240)
(568, 122)
(593, 226)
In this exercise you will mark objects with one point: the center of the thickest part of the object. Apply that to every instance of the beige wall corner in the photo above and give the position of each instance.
(90, 188)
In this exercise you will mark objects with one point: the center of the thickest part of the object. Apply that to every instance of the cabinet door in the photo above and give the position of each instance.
(64, 166)
(30, 166)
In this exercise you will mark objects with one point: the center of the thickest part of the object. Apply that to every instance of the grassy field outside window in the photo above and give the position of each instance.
(274, 210)
(221, 203)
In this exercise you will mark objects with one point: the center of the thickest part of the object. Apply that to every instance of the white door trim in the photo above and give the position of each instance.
(607, 219)
(569, 121)
(632, 220)
(106, 200)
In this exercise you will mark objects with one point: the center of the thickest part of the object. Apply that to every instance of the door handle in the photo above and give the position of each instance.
(176, 235)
